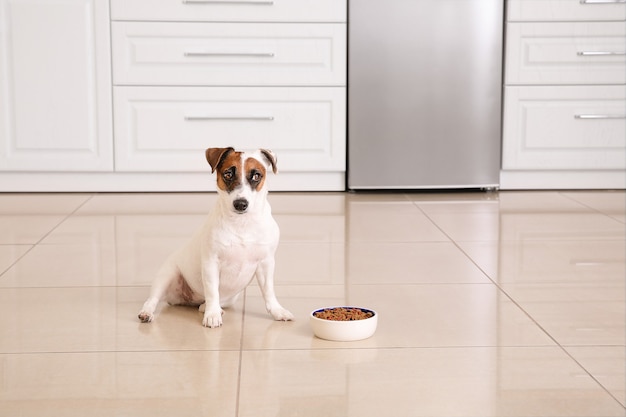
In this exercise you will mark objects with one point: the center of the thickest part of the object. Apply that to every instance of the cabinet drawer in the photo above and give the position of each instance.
(168, 128)
(230, 10)
(565, 10)
(218, 54)
(566, 53)
(565, 128)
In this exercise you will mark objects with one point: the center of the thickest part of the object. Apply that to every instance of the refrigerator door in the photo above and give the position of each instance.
(424, 93)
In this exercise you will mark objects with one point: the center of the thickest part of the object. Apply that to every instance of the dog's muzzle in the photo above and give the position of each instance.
(241, 205)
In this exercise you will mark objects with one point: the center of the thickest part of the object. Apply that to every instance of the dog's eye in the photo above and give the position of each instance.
(228, 175)
(256, 177)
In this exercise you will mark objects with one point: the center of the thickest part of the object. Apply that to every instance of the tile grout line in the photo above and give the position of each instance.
(506, 294)
(240, 370)
(91, 196)
(593, 209)
(291, 349)
(19, 258)
(35, 244)
(569, 355)
(500, 289)
(526, 313)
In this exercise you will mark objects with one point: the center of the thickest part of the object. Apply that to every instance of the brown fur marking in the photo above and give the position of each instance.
(214, 156)
(252, 167)
(230, 164)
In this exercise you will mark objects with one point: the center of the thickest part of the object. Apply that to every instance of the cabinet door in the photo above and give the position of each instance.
(168, 128)
(229, 54)
(564, 128)
(566, 53)
(55, 86)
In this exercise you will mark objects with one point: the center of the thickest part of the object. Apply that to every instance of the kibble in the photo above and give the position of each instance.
(343, 314)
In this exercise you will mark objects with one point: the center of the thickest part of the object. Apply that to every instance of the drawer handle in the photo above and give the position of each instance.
(602, 1)
(599, 116)
(600, 53)
(236, 2)
(230, 54)
(228, 118)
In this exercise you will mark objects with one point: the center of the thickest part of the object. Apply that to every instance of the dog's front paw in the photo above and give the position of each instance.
(212, 319)
(145, 317)
(281, 314)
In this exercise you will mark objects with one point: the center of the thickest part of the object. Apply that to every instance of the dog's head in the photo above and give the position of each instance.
(241, 175)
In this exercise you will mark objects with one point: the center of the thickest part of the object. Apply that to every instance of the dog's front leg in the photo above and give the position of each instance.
(265, 278)
(211, 282)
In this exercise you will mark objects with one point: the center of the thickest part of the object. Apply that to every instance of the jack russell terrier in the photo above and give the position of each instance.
(237, 243)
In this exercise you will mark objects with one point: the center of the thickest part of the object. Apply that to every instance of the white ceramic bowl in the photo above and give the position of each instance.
(344, 331)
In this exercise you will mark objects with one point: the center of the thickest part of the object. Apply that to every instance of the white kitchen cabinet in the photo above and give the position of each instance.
(55, 86)
(564, 118)
(167, 128)
(125, 95)
(255, 74)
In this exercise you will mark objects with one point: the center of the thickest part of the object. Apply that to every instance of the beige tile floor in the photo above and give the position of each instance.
(499, 304)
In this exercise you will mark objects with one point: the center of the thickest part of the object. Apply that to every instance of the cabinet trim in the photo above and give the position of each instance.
(241, 11)
(157, 182)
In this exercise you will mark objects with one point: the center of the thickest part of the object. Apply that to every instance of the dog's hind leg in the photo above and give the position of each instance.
(167, 275)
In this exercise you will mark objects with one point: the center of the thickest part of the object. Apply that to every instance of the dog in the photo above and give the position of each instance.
(237, 243)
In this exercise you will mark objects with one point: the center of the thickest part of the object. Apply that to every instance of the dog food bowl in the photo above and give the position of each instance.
(339, 327)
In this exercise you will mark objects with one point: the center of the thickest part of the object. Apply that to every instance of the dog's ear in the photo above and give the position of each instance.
(271, 158)
(216, 155)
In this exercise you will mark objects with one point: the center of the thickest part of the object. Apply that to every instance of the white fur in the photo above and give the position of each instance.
(223, 257)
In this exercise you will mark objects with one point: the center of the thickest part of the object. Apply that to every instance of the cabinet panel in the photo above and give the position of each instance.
(55, 94)
(236, 11)
(228, 54)
(566, 53)
(565, 10)
(565, 128)
(168, 128)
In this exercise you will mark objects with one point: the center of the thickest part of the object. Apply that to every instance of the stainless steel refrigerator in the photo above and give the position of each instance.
(424, 93)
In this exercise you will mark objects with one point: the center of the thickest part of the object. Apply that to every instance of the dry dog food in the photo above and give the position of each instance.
(343, 314)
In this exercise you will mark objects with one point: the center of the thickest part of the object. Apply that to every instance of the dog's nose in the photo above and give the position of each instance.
(241, 204)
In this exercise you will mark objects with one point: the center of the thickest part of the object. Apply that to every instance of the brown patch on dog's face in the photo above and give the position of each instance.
(229, 172)
(255, 173)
